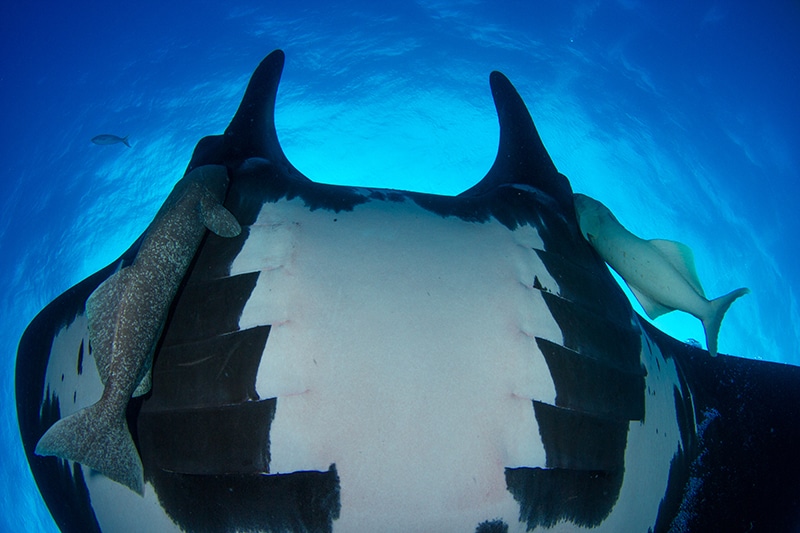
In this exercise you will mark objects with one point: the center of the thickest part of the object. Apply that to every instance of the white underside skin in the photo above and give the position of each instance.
(404, 354)
(74, 391)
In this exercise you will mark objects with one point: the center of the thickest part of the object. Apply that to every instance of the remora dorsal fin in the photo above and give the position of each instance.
(521, 155)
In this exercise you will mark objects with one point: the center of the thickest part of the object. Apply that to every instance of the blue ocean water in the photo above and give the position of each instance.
(683, 119)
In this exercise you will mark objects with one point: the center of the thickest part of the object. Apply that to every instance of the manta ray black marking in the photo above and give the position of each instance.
(372, 360)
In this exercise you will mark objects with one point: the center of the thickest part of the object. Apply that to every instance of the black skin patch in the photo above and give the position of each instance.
(80, 359)
(208, 372)
(301, 501)
(588, 385)
(600, 387)
(579, 441)
(740, 470)
(254, 185)
(260, 184)
(221, 439)
(583, 279)
(207, 309)
(669, 508)
(547, 496)
(492, 526)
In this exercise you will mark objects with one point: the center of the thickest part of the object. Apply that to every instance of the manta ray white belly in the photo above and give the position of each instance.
(376, 370)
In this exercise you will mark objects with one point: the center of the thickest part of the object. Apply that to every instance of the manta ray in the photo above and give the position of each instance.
(363, 359)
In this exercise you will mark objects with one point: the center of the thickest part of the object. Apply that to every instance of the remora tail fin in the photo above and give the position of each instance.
(99, 440)
(712, 323)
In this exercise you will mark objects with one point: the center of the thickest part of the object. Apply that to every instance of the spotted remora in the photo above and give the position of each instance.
(126, 315)
(660, 273)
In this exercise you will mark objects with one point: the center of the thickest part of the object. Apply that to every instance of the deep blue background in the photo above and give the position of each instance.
(683, 118)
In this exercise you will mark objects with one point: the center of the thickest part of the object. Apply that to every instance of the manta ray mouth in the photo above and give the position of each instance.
(522, 160)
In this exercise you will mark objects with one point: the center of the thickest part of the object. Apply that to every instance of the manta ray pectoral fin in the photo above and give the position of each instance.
(103, 310)
(218, 219)
(653, 308)
(681, 258)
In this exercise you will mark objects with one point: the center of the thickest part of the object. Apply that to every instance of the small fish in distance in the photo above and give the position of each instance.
(107, 138)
